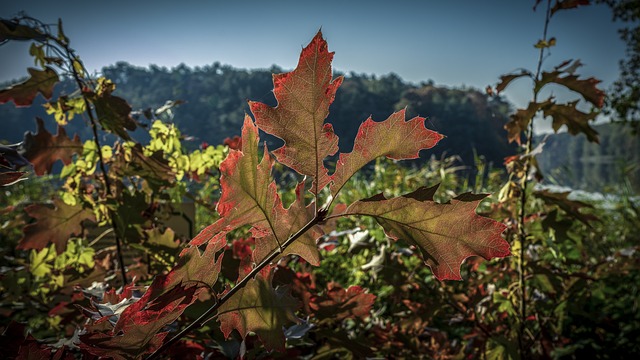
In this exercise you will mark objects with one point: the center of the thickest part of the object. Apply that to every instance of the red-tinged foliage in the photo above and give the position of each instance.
(446, 234)
(567, 4)
(394, 138)
(304, 96)
(43, 149)
(54, 225)
(234, 143)
(138, 329)
(521, 119)
(260, 308)
(249, 197)
(339, 304)
(40, 81)
(10, 177)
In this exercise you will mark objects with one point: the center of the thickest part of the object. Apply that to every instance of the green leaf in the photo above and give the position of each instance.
(22, 94)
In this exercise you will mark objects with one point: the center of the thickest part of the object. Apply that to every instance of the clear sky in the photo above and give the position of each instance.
(454, 43)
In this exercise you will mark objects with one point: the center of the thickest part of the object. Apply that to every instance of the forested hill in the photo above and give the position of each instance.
(216, 99)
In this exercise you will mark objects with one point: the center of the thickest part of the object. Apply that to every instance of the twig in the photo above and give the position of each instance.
(202, 319)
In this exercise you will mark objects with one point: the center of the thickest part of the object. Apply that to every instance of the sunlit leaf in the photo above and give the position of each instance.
(394, 138)
(259, 308)
(22, 94)
(446, 233)
(304, 96)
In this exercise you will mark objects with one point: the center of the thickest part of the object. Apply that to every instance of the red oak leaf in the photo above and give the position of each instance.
(249, 197)
(446, 234)
(54, 225)
(260, 308)
(339, 304)
(22, 94)
(43, 149)
(304, 96)
(394, 138)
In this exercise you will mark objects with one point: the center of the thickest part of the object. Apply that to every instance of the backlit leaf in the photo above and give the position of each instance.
(304, 96)
(567, 4)
(13, 30)
(563, 75)
(446, 234)
(138, 329)
(521, 119)
(339, 304)
(575, 120)
(249, 197)
(260, 308)
(22, 94)
(43, 149)
(114, 113)
(505, 80)
(394, 138)
(54, 225)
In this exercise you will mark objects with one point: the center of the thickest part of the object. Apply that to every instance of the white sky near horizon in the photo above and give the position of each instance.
(454, 43)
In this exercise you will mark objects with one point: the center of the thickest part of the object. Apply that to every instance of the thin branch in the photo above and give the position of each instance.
(522, 233)
(202, 319)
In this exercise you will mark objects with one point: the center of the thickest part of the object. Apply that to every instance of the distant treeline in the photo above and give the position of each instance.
(215, 101)
(575, 162)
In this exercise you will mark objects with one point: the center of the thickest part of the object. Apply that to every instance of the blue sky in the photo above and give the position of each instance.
(454, 43)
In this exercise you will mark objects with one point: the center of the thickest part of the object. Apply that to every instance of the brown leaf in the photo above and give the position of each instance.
(521, 119)
(114, 113)
(585, 87)
(571, 207)
(54, 225)
(575, 120)
(505, 80)
(22, 94)
(43, 149)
